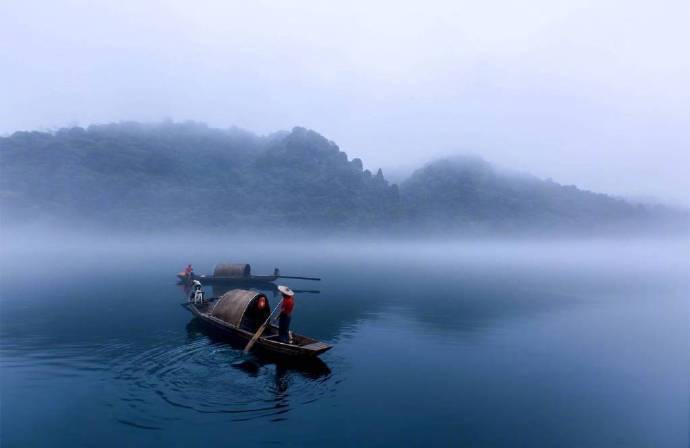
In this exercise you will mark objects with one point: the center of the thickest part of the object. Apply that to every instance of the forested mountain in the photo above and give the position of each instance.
(186, 175)
(467, 192)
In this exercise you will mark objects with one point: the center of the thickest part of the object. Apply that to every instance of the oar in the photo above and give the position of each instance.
(300, 278)
(260, 331)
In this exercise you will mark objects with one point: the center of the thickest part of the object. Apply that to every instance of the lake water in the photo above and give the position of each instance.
(457, 344)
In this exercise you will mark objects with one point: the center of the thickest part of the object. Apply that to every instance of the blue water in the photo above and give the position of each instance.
(462, 344)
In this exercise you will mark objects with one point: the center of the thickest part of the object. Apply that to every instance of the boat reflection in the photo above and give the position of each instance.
(309, 368)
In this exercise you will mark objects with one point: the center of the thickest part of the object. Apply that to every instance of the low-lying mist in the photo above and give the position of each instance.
(184, 247)
(147, 178)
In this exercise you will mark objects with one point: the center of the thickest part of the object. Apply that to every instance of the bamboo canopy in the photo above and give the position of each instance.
(232, 270)
(238, 307)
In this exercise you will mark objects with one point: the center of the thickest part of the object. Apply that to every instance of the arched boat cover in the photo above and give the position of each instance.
(232, 270)
(231, 306)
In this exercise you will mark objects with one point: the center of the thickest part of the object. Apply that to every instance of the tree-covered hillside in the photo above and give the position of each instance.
(467, 192)
(187, 175)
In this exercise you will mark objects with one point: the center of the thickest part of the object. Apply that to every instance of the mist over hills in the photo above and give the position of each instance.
(470, 193)
(189, 176)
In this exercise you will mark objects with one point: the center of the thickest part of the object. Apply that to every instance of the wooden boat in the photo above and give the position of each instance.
(311, 368)
(208, 279)
(236, 273)
(239, 313)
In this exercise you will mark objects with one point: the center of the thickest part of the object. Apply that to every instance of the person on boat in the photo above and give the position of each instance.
(285, 316)
(189, 271)
(198, 292)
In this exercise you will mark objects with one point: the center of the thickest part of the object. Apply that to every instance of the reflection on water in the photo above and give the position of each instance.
(209, 376)
(458, 346)
(202, 373)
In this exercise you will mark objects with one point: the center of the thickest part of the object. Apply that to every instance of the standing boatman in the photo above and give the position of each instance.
(285, 316)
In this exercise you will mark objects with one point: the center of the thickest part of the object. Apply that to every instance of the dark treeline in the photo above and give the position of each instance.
(187, 175)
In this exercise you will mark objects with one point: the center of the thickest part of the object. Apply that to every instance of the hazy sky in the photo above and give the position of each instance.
(591, 93)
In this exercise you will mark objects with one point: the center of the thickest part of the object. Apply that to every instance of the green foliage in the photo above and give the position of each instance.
(467, 192)
(187, 175)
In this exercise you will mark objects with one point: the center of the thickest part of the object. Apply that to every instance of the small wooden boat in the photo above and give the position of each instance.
(236, 273)
(208, 279)
(240, 312)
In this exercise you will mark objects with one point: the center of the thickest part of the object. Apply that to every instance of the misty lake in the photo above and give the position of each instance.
(442, 344)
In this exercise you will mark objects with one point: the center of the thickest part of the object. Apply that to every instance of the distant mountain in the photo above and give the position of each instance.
(187, 175)
(469, 193)
(179, 175)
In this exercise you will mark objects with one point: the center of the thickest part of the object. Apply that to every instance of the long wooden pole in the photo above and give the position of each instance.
(299, 278)
(261, 329)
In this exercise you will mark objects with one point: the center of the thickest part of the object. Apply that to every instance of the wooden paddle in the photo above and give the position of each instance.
(261, 330)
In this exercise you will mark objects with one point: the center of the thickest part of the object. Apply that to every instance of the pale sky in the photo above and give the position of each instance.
(592, 93)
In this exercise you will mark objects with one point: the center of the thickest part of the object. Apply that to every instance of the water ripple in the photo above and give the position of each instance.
(208, 377)
(149, 383)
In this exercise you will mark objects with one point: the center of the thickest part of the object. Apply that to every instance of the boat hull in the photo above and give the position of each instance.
(208, 279)
(305, 348)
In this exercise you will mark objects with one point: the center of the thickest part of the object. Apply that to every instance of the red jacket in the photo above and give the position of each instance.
(288, 305)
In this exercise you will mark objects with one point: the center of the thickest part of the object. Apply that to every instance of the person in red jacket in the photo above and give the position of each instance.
(285, 313)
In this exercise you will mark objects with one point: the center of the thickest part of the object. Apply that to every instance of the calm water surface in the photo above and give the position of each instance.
(463, 344)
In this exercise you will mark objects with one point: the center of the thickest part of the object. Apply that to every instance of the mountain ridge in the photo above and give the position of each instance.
(187, 175)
